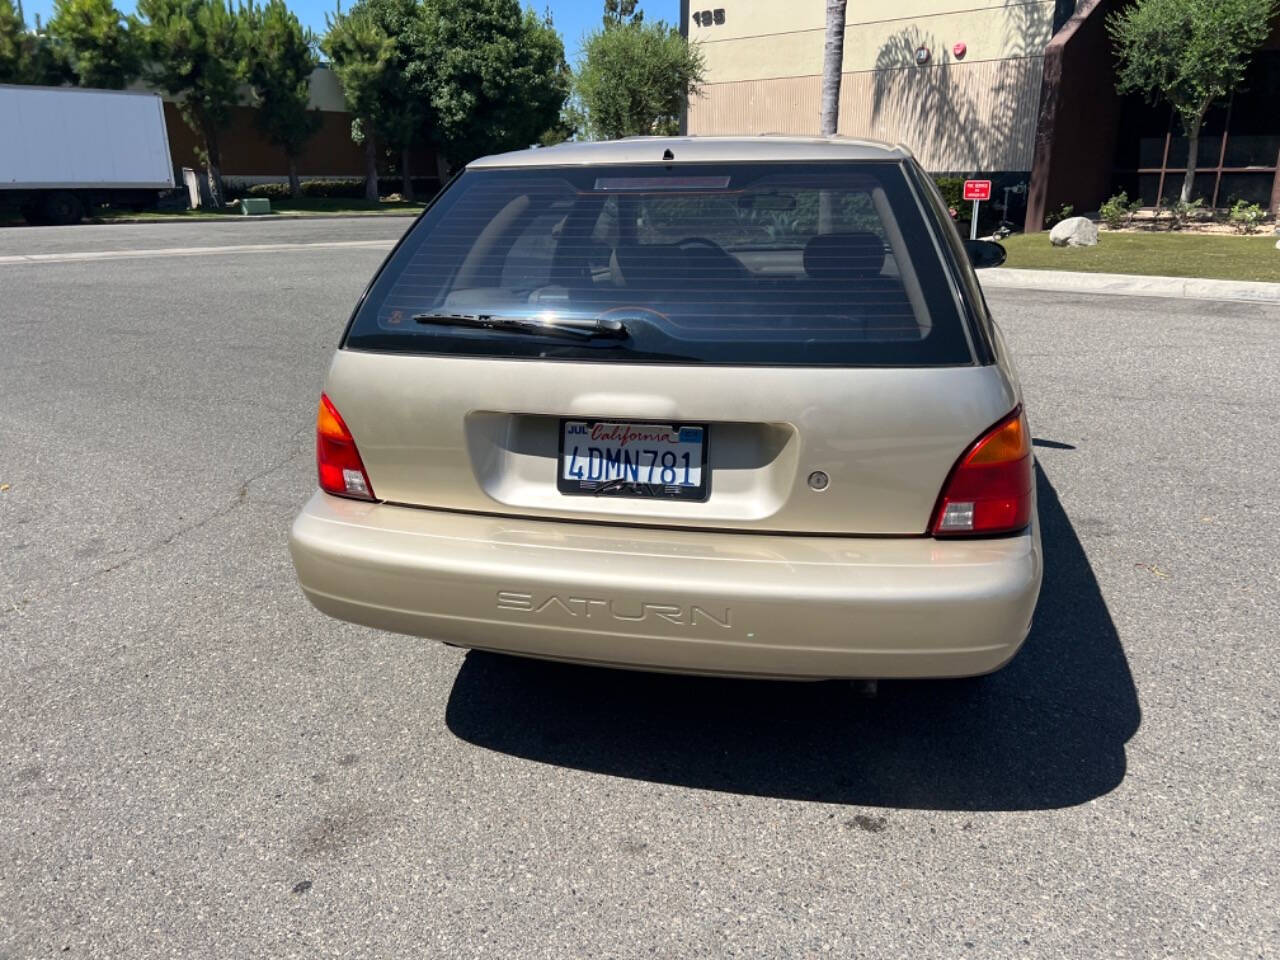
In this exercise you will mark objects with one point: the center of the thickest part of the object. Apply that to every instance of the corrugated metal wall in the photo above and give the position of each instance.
(955, 117)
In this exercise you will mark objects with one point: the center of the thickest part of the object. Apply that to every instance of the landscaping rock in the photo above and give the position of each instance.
(1075, 232)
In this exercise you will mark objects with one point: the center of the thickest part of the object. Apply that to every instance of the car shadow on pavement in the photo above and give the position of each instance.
(1049, 730)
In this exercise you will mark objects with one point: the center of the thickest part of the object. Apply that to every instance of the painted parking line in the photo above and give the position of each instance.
(190, 251)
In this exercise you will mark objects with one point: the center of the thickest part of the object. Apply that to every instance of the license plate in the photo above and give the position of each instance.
(661, 460)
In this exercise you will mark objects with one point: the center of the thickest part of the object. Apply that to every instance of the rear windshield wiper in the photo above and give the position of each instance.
(550, 325)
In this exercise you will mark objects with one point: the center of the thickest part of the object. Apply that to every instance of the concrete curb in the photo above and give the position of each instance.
(220, 218)
(1130, 285)
(241, 218)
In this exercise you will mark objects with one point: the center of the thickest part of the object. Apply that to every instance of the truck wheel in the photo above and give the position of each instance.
(62, 208)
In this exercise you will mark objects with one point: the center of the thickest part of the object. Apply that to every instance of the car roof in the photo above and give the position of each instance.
(722, 149)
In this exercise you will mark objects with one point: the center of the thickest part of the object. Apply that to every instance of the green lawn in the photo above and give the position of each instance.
(1213, 256)
(337, 205)
(105, 215)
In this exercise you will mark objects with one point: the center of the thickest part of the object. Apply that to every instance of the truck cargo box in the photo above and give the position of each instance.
(70, 138)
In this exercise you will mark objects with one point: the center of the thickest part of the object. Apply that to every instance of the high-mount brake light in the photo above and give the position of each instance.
(338, 461)
(991, 488)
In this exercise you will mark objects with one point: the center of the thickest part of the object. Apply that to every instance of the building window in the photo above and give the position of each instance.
(1229, 166)
(1238, 153)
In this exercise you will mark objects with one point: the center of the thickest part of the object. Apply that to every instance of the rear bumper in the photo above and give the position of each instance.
(679, 600)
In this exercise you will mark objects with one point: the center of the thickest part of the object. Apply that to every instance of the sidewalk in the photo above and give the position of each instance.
(241, 218)
(1123, 284)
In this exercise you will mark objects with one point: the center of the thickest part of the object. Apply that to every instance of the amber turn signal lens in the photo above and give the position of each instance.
(329, 423)
(1006, 442)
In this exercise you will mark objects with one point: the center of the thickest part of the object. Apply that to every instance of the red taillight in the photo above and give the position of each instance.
(337, 459)
(991, 486)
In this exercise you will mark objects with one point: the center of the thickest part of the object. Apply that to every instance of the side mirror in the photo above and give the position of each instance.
(985, 253)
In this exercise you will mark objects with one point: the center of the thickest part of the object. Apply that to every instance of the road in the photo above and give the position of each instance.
(195, 763)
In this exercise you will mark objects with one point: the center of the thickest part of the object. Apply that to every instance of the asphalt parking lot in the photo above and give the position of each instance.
(195, 763)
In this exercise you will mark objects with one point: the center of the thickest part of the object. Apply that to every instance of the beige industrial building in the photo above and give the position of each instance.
(958, 81)
(1022, 91)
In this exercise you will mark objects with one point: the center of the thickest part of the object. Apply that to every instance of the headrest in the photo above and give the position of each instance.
(648, 264)
(838, 256)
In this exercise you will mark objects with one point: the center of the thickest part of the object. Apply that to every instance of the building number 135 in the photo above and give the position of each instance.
(705, 18)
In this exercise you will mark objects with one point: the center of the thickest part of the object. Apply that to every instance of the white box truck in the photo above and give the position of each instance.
(64, 150)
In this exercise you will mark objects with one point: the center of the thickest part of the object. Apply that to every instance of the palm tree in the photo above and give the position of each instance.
(832, 62)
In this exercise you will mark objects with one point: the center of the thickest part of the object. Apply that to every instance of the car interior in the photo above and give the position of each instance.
(708, 265)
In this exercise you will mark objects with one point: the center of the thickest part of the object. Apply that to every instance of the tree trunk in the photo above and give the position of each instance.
(1193, 125)
(442, 167)
(213, 151)
(832, 65)
(406, 179)
(370, 167)
(295, 185)
(1189, 179)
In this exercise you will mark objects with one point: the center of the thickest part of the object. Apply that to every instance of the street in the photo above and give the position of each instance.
(194, 763)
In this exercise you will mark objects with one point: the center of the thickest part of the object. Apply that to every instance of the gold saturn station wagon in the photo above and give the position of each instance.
(707, 405)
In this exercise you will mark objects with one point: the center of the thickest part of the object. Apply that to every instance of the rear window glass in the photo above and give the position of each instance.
(771, 264)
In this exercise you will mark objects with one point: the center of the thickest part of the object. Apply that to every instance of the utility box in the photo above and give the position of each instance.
(254, 206)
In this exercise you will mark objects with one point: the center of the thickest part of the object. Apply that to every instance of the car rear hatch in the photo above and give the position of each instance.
(765, 347)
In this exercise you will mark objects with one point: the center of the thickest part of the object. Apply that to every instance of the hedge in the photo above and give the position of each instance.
(352, 189)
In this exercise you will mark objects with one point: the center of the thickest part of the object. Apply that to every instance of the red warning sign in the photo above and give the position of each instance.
(977, 189)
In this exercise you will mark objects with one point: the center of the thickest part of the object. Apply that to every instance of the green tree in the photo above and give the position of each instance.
(361, 54)
(194, 52)
(403, 112)
(619, 13)
(95, 38)
(635, 78)
(26, 56)
(495, 77)
(1189, 54)
(280, 56)
(566, 126)
(15, 48)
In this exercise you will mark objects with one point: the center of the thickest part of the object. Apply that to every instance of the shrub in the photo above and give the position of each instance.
(348, 189)
(952, 190)
(272, 191)
(1181, 212)
(1066, 211)
(423, 187)
(1119, 210)
(1246, 217)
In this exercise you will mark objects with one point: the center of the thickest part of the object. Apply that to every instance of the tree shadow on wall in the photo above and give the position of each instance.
(1049, 730)
(947, 111)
